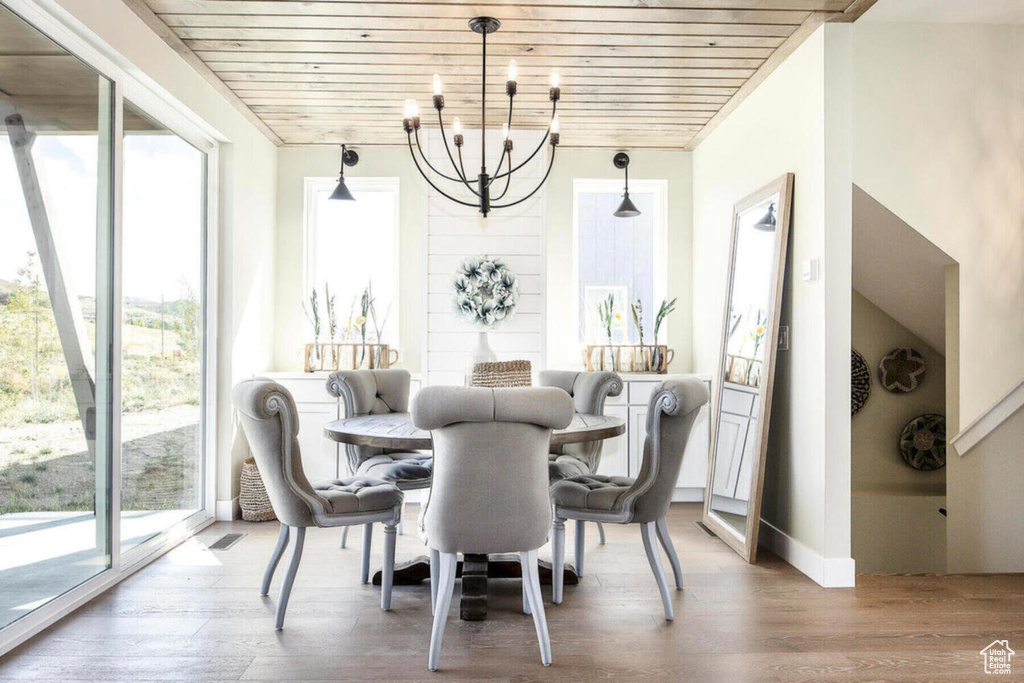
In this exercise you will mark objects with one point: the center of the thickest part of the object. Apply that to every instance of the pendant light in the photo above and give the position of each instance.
(767, 223)
(348, 158)
(627, 209)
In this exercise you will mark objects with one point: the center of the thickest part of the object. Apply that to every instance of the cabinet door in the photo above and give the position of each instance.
(319, 454)
(694, 472)
(615, 452)
(637, 432)
(732, 434)
(746, 470)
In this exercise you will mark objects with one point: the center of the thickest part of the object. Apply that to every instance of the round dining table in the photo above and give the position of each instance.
(395, 431)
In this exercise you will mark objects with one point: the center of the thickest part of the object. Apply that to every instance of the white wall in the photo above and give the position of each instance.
(939, 140)
(780, 128)
(572, 163)
(294, 165)
(248, 169)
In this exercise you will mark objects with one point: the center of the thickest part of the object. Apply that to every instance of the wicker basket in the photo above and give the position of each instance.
(511, 373)
(253, 498)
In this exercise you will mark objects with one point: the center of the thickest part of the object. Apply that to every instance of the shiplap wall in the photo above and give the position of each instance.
(455, 232)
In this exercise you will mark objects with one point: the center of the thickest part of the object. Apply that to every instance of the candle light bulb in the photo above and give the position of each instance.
(513, 70)
(437, 84)
(457, 125)
(414, 109)
(554, 124)
(408, 109)
(554, 78)
(504, 131)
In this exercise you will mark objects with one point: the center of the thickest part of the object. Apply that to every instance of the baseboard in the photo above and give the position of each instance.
(826, 572)
(228, 510)
(688, 495)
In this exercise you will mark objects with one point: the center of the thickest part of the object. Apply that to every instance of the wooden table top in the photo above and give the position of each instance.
(395, 431)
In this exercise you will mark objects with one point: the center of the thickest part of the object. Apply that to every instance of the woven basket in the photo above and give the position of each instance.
(510, 373)
(253, 498)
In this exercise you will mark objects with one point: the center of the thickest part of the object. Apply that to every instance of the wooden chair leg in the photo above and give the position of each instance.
(367, 541)
(557, 559)
(531, 581)
(581, 537)
(387, 574)
(401, 517)
(526, 596)
(289, 576)
(268, 575)
(600, 532)
(670, 550)
(448, 562)
(435, 565)
(648, 531)
(344, 536)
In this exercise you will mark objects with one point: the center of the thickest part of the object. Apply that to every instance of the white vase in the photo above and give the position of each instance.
(482, 352)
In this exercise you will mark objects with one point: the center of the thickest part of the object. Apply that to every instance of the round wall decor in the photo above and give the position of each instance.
(901, 370)
(923, 442)
(860, 382)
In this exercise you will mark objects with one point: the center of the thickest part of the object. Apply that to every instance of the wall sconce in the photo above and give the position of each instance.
(627, 209)
(348, 158)
(767, 222)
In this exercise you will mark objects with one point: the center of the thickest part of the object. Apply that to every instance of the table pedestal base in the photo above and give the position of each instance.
(474, 571)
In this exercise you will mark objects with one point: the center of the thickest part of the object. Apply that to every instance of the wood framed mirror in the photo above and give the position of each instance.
(743, 400)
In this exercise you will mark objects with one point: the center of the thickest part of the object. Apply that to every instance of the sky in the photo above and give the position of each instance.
(162, 221)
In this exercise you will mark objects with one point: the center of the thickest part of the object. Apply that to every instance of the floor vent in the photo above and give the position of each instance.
(226, 541)
(707, 532)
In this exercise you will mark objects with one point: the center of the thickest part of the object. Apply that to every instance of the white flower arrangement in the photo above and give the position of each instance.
(486, 291)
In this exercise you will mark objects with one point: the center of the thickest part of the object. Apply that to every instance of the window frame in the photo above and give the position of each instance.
(657, 187)
(310, 188)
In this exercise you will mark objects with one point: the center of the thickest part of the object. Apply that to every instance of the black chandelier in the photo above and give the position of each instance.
(411, 124)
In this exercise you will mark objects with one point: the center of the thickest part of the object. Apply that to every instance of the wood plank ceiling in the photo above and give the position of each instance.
(634, 73)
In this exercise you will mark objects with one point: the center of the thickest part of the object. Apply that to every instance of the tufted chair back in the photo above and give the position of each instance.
(671, 413)
(267, 413)
(369, 392)
(490, 486)
(588, 391)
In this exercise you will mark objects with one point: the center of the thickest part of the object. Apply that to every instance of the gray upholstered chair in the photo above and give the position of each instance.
(378, 392)
(673, 408)
(490, 488)
(271, 424)
(588, 390)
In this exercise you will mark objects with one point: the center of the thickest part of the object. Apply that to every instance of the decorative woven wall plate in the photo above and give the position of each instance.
(901, 371)
(923, 442)
(860, 382)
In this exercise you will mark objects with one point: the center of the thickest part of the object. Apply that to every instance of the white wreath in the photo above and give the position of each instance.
(486, 291)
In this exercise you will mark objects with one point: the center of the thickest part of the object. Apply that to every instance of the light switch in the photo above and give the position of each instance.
(810, 270)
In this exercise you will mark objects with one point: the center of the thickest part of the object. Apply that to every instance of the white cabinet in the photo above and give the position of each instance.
(319, 455)
(615, 452)
(737, 442)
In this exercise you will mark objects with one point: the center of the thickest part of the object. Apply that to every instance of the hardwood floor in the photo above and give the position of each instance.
(195, 615)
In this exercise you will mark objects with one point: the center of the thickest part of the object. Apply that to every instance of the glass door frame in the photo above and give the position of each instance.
(128, 82)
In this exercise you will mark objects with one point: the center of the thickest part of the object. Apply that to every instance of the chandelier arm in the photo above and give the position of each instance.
(508, 180)
(540, 185)
(462, 168)
(505, 151)
(459, 172)
(429, 182)
(431, 166)
(554, 107)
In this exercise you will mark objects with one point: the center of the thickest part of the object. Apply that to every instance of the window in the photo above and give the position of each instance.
(351, 246)
(621, 258)
(104, 368)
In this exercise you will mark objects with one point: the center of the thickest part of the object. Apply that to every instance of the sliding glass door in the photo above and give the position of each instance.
(55, 320)
(103, 322)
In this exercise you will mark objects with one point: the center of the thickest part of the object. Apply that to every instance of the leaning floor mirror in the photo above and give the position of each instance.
(757, 270)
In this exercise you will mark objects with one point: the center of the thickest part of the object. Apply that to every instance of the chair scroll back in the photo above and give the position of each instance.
(589, 391)
(490, 483)
(672, 410)
(369, 392)
(270, 421)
